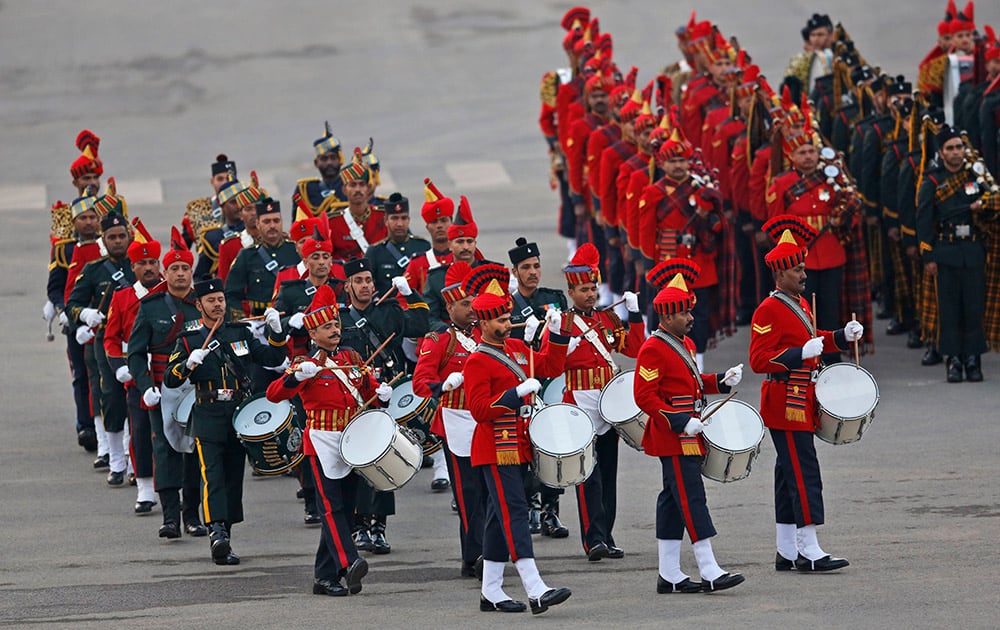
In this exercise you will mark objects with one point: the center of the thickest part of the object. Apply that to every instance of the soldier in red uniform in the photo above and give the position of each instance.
(359, 224)
(785, 346)
(499, 393)
(589, 367)
(717, 56)
(436, 213)
(332, 396)
(596, 97)
(670, 387)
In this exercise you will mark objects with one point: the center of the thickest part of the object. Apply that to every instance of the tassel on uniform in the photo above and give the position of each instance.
(508, 458)
(690, 445)
(795, 415)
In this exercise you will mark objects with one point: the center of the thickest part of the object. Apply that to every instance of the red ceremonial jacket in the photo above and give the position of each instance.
(83, 253)
(637, 182)
(760, 179)
(611, 159)
(438, 355)
(813, 199)
(344, 245)
(586, 367)
(576, 154)
(121, 315)
(600, 139)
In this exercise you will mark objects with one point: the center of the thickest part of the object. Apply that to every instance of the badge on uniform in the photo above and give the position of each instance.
(824, 194)
(520, 358)
(971, 188)
(193, 325)
(240, 348)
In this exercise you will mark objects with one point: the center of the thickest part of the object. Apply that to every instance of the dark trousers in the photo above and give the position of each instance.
(93, 379)
(701, 327)
(141, 444)
(746, 262)
(681, 504)
(336, 497)
(375, 502)
(506, 535)
(961, 301)
(615, 261)
(81, 383)
(567, 219)
(113, 405)
(597, 497)
(798, 488)
(826, 285)
(470, 494)
(173, 471)
(222, 467)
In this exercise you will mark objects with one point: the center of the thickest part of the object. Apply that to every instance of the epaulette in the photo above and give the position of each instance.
(433, 336)
(230, 237)
(237, 324)
(306, 180)
(439, 269)
(549, 87)
(379, 242)
(59, 257)
(149, 297)
(293, 282)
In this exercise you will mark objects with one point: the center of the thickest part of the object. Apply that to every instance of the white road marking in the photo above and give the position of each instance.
(140, 192)
(486, 174)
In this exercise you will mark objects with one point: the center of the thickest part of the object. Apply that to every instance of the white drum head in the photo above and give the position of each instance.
(403, 401)
(259, 416)
(846, 390)
(553, 391)
(617, 403)
(366, 437)
(561, 429)
(735, 427)
(183, 411)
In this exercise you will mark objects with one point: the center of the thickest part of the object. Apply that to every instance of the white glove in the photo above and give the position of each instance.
(84, 334)
(694, 426)
(123, 375)
(295, 321)
(631, 302)
(91, 317)
(454, 381)
(196, 358)
(384, 392)
(402, 286)
(531, 325)
(812, 348)
(272, 319)
(151, 397)
(733, 376)
(574, 343)
(529, 386)
(854, 330)
(553, 319)
(48, 311)
(307, 370)
(278, 368)
(257, 330)
(62, 320)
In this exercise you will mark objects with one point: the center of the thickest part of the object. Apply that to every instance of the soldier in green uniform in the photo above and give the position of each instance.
(366, 325)
(86, 309)
(391, 257)
(210, 239)
(161, 317)
(530, 304)
(949, 206)
(219, 369)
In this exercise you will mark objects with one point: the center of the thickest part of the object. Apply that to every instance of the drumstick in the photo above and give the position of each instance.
(211, 332)
(531, 363)
(815, 328)
(621, 301)
(518, 325)
(256, 318)
(372, 399)
(389, 292)
(377, 350)
(857, 355)
(712, 412)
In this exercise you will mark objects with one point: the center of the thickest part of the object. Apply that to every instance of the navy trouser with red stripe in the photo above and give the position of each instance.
(506, 534)
(798, 488)
(335, 499)
(597, 497)
(470, 494)
(141, 441)
(681, 504)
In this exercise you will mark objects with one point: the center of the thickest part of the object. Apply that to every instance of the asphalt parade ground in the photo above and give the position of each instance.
(448, 90)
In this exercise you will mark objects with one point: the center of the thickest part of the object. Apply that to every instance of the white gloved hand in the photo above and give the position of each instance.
(48, 311)
(278, 368)
(402, 286)
(694, 426)
(151, 397)
(307, 370)
(84, 334)
(631, 302)
(553, 319)
(384, 392)
(257, 330)
(295, 321)
(812, 348)
(574, 343)
(63, 320)
(196, 358)
(123, 375)
(854, 330)
(531, 325)
(529, 386)
(733, 376)
(454, 381)
(272, 319)
(91, 317)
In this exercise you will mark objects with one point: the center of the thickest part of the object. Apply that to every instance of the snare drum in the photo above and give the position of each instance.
(553, 390)
(415, 413)
(618, 408)
(182, 413)
(385, 453)
(273, 444)
(847, 395)
(562, 437)
(732, 441)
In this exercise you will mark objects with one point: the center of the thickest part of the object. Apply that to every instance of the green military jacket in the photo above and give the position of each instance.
(390, 259)
(250, 283)
(95, 286)
(365, 330)
(161, 318)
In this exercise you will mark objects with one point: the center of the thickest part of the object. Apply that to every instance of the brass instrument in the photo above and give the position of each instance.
(974, 162)
(831, 162)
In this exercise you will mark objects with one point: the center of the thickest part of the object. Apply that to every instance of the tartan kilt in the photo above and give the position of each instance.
(928, 308)
(856, 293)
(873, 240)
(991, 314)
(902, 280)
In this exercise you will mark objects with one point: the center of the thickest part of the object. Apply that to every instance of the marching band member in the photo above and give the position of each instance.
(785, 346)
(671, 389)
(498, 393)
(314, 196)
(333, 390)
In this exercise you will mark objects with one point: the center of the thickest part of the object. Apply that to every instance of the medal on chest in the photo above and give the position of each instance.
(824, 194)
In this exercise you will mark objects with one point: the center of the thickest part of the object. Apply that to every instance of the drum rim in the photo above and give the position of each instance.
(343, 438)
(763, 429)
(173, 414)
(600, 401)
(840, 366)
(593, 434)
(260, 438)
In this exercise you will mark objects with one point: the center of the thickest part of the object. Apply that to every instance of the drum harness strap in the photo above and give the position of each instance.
(357, 233)
(432, 261)
(244, 381)
(271, 264)
(342, 376)
(591, 336)
(402, 260)
(361, 323)
(690, 444)
(505, 432)
(798, 380)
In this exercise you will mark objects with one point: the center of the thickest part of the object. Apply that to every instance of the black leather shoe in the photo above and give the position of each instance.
(454, 506)
(363, 540)
(551, 597)
(597, 552)
(552, 526)
(468, 570)
(615, 553)
(954, 370)
(131, 479)
(883, 313)
(826, 563)
(931, 356)
(142, 508)
(478, 566)
(781, 563)
(228, 560)
(973, 369)
(534, 521)
(896, 327)
(312, 518)
(170, 530)
(507, 605)
(440, 485)
(102, 461)
(354, 574)
(687, 585)
(721, 583)
(87, 438)
(329, 587)
(301, 494)
(219, 541)
(428, 462)
(197, 530)
(116, 479)
(913, 339)
(380, 546)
